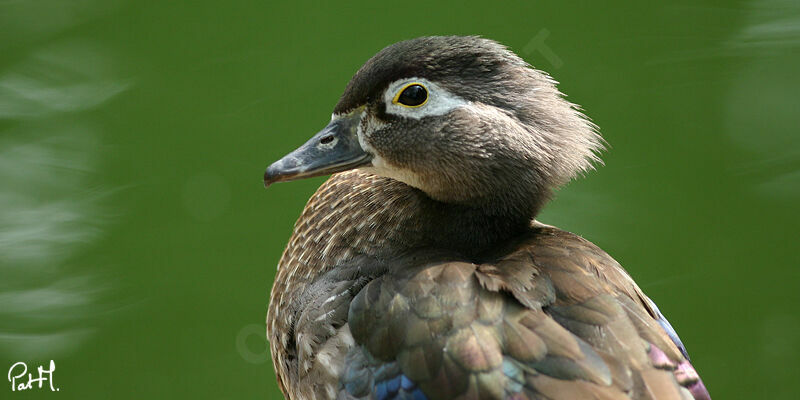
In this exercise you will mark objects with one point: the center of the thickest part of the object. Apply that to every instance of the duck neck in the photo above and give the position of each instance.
(472, 229)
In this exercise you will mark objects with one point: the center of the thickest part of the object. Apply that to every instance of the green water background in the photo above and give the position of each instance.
(138, 246)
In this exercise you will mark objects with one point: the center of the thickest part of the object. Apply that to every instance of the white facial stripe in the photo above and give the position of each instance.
(440, 101)
(361, 134)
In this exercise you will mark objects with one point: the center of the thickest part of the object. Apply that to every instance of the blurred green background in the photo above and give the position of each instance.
(138, 246)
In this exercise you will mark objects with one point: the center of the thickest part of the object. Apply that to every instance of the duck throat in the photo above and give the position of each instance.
(357, 213)
(474, 230)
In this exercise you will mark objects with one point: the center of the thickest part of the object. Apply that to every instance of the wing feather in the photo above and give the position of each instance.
(554, 318)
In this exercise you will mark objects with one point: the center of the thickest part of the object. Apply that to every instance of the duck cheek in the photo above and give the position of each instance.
(393, 150)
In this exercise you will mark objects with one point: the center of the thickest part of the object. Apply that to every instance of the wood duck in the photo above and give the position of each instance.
(418, 271)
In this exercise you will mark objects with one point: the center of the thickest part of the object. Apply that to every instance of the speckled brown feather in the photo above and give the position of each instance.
(556, 308)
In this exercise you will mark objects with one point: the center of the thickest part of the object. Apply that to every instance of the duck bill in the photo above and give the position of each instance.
(333, 149)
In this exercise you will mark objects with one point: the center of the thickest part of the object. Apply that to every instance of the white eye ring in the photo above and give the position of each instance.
(438, 102)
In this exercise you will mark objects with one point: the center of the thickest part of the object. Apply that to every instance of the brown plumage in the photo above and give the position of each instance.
(423, 274)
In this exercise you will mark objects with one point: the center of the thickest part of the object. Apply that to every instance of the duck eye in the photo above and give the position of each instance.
(412, 95)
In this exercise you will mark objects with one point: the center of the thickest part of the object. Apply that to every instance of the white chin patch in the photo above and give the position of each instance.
(381, 168)
(440, 101)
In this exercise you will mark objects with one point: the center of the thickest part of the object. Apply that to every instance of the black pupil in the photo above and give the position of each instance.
(413, 95)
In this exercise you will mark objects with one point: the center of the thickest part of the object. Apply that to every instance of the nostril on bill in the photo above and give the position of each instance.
(326, 139)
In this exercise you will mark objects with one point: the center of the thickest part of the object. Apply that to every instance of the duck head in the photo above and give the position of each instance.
(462, 119)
